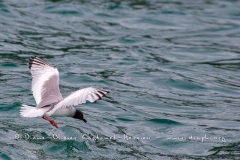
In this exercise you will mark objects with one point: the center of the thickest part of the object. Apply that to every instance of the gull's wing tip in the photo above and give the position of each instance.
(30, 60)
(33, 57)
(105, 90)
(101, 93)
(34, 60)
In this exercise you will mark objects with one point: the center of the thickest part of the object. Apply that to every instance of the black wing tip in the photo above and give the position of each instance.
(99, 96)
(104, 90)
(108, 91)
(101, 93)
(34, 57)
(36, 61)
(30, 61)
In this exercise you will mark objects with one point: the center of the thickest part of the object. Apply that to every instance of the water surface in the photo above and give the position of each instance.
(172, 68)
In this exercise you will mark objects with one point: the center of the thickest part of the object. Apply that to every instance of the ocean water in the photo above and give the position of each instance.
(172, 68)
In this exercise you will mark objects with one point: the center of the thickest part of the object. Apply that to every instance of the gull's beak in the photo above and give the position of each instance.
(84, 120)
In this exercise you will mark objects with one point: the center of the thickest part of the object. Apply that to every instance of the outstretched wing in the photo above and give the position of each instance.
(79, 97)
(45, 82)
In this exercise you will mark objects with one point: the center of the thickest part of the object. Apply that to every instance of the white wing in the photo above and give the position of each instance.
(45, 82)
(79, 97)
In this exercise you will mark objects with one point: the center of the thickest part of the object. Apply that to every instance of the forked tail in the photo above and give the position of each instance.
(28, 111)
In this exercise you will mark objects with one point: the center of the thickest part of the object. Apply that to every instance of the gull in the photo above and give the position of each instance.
(49, 100)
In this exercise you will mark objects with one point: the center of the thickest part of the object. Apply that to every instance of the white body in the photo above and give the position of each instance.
(28, 111)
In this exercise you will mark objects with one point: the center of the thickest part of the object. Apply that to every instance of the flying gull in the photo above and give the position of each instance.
(49, 100)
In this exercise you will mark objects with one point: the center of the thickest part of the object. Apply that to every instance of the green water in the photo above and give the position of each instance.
(173, 68)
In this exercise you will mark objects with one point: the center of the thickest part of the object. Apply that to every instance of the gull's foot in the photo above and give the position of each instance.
(53, 123)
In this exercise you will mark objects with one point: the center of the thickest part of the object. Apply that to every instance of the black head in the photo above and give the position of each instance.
(79, 115)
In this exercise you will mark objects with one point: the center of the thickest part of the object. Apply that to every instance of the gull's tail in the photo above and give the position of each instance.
(28, 111)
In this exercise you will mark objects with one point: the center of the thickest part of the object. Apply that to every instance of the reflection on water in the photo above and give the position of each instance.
(172, 68)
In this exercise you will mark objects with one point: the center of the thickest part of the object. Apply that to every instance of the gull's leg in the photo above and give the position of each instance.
(51, 121)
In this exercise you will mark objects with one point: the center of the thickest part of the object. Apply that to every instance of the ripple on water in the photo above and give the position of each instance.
(164, 121)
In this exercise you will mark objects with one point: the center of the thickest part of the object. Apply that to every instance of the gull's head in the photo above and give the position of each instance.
(79, 115)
